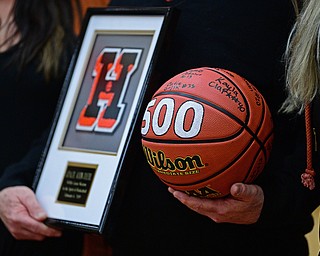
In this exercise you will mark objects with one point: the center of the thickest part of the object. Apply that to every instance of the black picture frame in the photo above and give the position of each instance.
(100, 103)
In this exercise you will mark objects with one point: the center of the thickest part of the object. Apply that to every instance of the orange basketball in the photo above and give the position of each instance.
(205, 129)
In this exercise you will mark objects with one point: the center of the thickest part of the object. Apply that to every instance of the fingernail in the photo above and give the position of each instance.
(40, 215)
(238, 190)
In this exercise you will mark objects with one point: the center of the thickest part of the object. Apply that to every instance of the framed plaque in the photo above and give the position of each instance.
(97, 114)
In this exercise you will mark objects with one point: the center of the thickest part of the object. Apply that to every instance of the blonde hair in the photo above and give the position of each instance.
(302, 58)
(295, 6)
(51, 53)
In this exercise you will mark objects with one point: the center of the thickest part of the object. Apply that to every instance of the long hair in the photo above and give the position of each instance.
(296, 5)
(45, 29)
(302, 58)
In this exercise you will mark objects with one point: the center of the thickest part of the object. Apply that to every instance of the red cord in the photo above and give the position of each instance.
(307, 178)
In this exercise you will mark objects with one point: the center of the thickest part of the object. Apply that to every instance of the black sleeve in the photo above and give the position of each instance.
(287, 201)
(23, 172)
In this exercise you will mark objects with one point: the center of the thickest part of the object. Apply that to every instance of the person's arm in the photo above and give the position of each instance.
(22, 214)
(279, 198)
(23, 172)
(243, 206)
(19, 209)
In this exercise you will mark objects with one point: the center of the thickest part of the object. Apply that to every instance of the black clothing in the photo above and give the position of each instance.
(27, 107)
(249, 38)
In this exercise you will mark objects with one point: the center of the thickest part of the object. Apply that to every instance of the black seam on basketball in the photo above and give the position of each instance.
(188, 141)
(241, 123)
(230, 164)
(252, 163)
(259, 128)
(264, 153)
(244, 124)
(234, 84)
(187, 95)
(247, 105)
(216, 173)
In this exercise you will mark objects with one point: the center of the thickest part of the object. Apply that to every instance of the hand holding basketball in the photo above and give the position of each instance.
(243, 206)
(206, 129)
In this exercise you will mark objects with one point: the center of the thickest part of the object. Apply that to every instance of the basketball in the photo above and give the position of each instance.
(206, 129)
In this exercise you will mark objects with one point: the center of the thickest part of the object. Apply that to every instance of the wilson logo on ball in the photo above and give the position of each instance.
(159, 161)
(212, 113)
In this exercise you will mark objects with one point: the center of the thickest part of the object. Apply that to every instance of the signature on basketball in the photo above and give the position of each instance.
(171, 86)
(192, 73)
(230, 91)
(257, 95)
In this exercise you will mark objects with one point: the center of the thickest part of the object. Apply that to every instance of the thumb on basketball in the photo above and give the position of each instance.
(245, 192)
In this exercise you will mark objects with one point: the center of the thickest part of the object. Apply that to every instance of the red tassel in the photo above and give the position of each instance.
(307, 179)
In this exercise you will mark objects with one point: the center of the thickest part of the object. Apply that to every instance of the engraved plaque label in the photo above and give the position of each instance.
(76, 184)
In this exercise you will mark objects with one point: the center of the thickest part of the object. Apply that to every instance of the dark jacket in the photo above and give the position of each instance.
(249, 38)
(28, 104)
